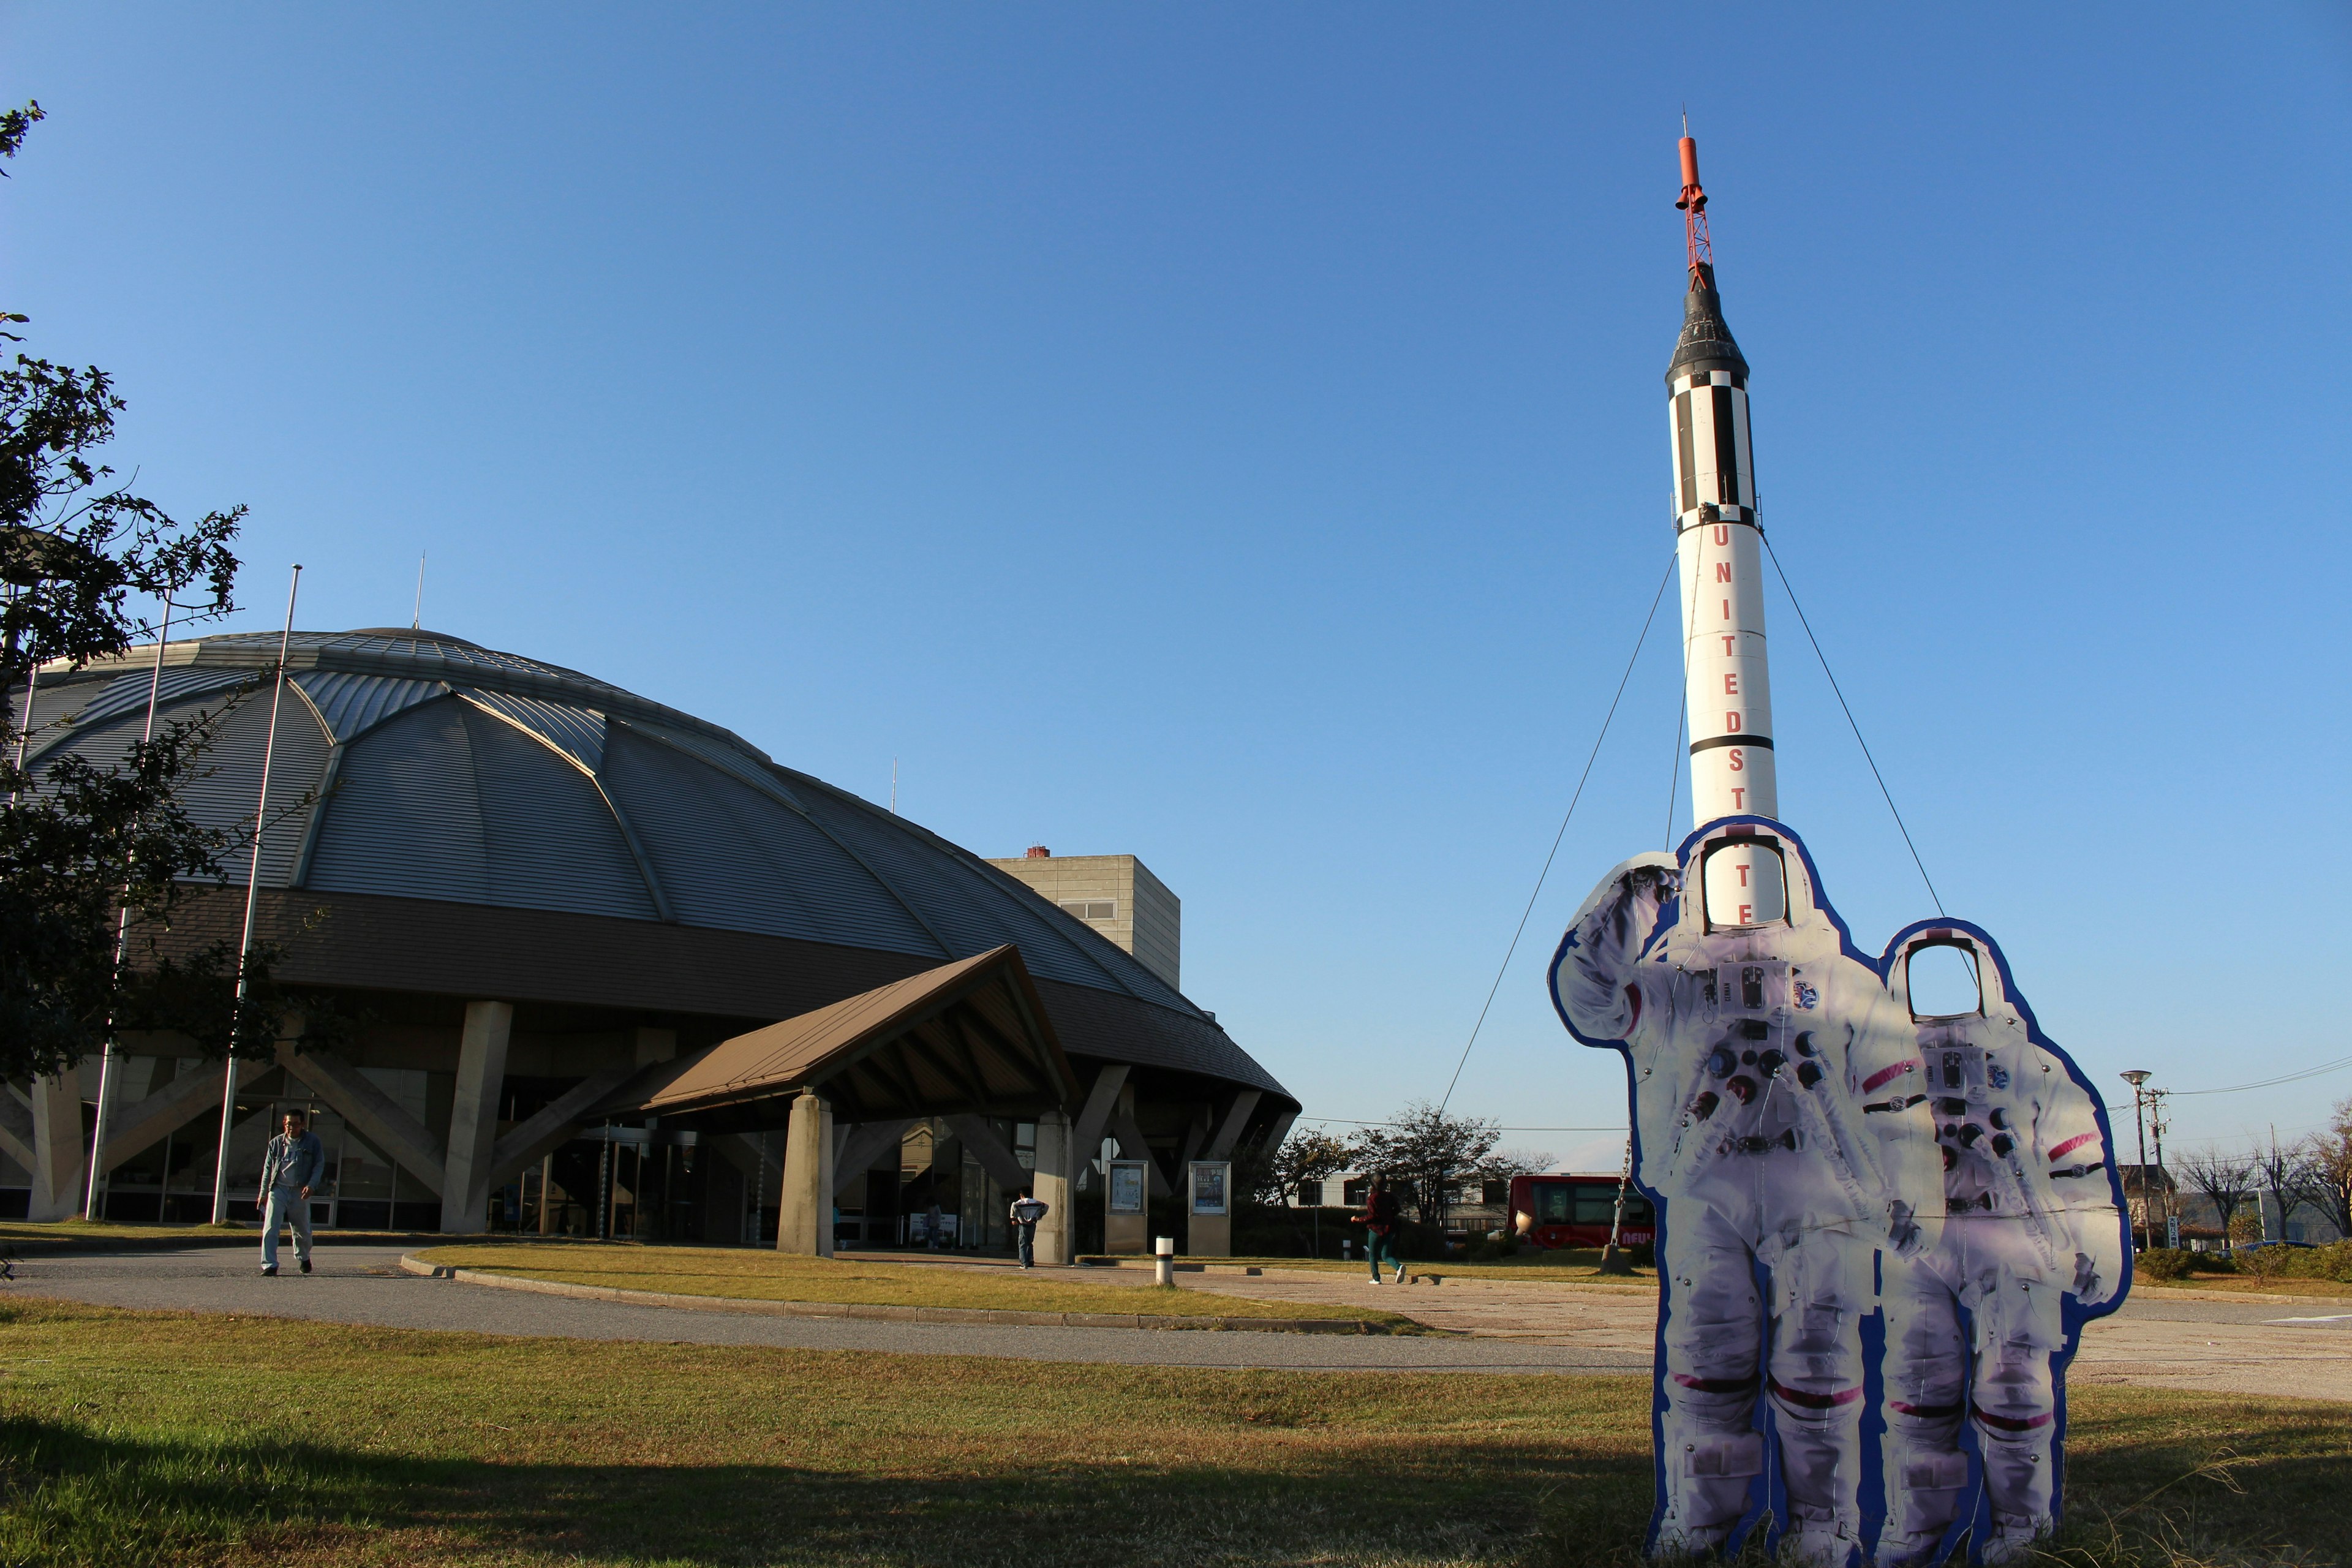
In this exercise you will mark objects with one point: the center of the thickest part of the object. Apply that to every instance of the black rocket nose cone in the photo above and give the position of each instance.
(1706, 344)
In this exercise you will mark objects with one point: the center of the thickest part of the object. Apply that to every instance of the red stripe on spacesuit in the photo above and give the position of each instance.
(1888, 1075)
(1815, 1401)
(2074, 1143)
(1716, 1384)
(2009, 1423)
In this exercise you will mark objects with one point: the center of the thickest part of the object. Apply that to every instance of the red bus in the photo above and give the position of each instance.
(1575, 1211)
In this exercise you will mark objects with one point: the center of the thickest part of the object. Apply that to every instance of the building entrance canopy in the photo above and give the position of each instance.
(966, 1038)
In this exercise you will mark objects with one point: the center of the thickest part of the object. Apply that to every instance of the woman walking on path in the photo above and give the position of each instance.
(1380, 1222)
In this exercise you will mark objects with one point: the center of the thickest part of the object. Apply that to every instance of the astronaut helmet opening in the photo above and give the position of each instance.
(1745, 882)
(1943, 976)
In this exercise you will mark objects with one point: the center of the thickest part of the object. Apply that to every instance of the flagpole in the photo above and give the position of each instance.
(121, 941)
(252, 891)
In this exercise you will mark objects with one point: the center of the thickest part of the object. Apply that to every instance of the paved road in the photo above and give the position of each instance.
(363, 1285)
(2252, 1347)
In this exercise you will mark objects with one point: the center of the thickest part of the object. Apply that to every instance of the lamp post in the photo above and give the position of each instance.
(2136, 1078)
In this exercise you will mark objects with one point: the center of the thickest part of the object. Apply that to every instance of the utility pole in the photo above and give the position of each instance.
(2136, 1078)
(2155, 1126)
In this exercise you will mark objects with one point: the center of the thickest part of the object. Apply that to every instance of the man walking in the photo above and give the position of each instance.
(1026, 1213)
(289, 1169)
(1380, 1222)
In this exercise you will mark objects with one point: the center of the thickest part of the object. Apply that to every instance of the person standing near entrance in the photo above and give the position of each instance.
(1380, 1222)
(1026, 1213)
(289, 1169)
(933, 1223)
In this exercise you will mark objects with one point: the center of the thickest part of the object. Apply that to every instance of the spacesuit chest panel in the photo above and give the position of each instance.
(1978, 1105)
(1755, 1046)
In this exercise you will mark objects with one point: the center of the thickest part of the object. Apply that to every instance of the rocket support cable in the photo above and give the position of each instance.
(1656, 600)
(1899, 826)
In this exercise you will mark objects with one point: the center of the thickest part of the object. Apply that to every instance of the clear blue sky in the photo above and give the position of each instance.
(1235, 436)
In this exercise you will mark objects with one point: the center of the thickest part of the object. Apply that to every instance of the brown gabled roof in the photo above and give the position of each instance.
(968, 1036)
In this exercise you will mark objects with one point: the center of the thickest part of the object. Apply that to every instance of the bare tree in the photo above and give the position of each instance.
(2282, 1174)
(2328, 1170)
(2226, 1180)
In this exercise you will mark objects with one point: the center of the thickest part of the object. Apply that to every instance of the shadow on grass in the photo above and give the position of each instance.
(71, 1495)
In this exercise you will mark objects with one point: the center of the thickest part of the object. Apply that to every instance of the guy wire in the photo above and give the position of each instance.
(1933, 896)
(1655, 599)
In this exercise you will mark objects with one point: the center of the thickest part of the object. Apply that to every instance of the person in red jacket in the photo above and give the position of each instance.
(1380, 1220)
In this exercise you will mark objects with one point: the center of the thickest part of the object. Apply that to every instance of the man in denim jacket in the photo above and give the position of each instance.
(289, 1169)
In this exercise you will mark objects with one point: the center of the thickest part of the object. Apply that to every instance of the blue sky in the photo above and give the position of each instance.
(1233, 436)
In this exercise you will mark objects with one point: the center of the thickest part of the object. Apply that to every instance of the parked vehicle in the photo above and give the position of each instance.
(1575, 1211)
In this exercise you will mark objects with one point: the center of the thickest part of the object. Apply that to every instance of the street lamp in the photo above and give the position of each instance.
(2136, 1078)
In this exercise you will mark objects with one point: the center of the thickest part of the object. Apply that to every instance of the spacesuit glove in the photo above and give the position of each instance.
(2090, 1287)
(1904, 1232)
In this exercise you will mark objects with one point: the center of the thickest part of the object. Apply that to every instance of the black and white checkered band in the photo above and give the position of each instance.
(1708, 378)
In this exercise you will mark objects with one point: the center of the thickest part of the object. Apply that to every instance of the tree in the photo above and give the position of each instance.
(2224, 1179)
(80, 844)
(1427, 1151)
(1273, 1176)
(2282, 1174)
(2328, 1170)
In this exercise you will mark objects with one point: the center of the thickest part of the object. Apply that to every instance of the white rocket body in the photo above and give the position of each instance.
(1727, 684)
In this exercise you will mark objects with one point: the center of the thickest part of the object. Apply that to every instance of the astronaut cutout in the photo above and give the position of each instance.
(2032, 1215)
(1750, 1026)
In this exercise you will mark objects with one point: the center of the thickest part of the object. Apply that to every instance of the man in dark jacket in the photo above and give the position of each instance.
(290, 1167)
(1380, 1220)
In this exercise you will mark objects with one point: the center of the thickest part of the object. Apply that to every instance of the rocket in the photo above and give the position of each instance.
(1726, 689)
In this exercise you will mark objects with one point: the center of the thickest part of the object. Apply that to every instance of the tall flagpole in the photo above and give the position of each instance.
(252, 890)
(121, 941)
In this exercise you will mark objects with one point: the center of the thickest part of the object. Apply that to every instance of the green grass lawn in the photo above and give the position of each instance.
(758, 1275)
(138, 1439)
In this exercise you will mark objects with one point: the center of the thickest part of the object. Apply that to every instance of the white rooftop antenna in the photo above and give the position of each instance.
(417, 619)
(894, 786)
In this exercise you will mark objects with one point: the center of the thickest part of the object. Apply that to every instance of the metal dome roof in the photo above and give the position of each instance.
(442, 769)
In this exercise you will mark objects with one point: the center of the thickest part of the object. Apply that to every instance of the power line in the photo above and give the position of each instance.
(1655, 599)
(2337, 1066)
(1900, 827)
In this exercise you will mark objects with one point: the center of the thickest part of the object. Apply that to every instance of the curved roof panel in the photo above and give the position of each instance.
(418, 765)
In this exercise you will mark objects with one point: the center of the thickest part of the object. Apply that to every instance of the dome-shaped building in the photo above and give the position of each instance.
(544, 899)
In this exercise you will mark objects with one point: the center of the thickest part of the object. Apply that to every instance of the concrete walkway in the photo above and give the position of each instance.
(1507, 1326)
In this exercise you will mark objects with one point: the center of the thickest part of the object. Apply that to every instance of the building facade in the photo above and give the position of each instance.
(1114, 894)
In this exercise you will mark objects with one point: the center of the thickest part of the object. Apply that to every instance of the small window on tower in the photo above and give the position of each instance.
(1093, 909)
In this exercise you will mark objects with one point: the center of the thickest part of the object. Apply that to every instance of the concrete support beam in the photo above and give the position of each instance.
(538, 1135)
(133, 1128)
(351, 1095)
(1278, 1131)
(1094, 1117)
(56, 1149)
(1132, 1146)
(804, 1221)
(1050, 1183)
(1229, 1131)
(866, 1142)
(474, 1115)
(16, 1125)
(994, 1157)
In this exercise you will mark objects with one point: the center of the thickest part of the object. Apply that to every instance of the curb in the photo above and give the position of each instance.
(2148, 1292)
(246, 1237)
(1181, 1266)
(411, 1263)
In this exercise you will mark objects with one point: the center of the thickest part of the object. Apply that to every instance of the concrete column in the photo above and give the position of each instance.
(804, 1220)
(474, 1115)
(56, 1148)
(1050, 1184)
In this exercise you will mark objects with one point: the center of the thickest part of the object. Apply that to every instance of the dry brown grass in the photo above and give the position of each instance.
(133, 1439)
(747, 1274)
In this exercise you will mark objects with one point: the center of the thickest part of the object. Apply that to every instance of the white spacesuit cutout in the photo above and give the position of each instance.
(1750, 1047)
(2030, 1216)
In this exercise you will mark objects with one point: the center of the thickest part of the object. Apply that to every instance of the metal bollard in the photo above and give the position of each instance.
(1163, 1261)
